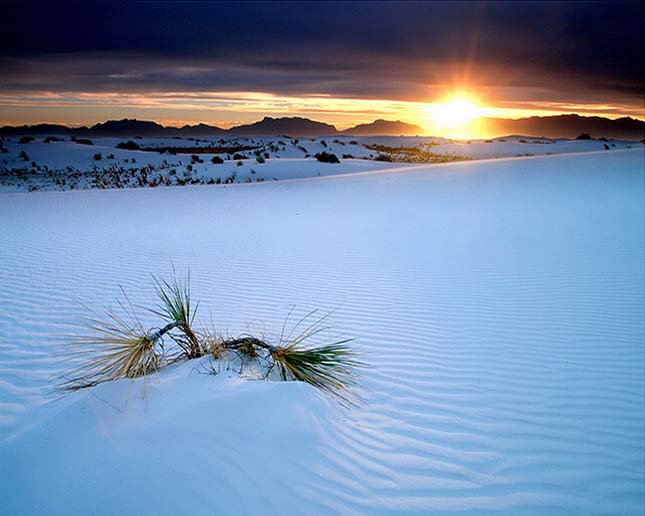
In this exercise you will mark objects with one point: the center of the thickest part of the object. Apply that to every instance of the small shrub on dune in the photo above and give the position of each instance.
(584, 136)
(118, 346)
(129, 145)
(216, 160)
(383, 157)
(26, 139)
(82, 141)
(98, 157)
(260, 160)
(327, 157)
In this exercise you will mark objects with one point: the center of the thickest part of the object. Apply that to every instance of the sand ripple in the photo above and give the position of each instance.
(499, 304)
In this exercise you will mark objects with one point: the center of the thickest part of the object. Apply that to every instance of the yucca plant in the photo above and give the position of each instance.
(114, 349)
(120, 349)
(175, 307)
(330, 368)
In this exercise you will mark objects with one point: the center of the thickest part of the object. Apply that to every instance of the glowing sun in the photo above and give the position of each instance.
(455, 112)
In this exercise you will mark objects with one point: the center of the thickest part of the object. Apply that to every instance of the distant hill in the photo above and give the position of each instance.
(125, 128)
(565, 126)
(201, 130)
(35, 130)
(384, 128)
(293, 126)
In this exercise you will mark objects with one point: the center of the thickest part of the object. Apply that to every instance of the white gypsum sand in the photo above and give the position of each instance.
(66, 165)
(499, 304)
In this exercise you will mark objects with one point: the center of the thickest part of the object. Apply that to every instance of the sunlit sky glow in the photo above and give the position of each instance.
(341, 63)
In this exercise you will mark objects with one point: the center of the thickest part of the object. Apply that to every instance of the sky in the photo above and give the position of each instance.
(226, 63)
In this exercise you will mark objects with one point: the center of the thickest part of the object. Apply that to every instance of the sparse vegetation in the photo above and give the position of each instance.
(98, 157)
(26, 139)
(116, 345)
(216, 160)
(411, 155)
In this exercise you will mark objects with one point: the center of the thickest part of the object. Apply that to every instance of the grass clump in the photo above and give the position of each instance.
(329, 368)
(327, 157)
(116, 346)
(177, 310)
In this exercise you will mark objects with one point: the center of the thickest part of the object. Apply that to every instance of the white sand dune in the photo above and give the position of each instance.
(49, 164)
(499, 304)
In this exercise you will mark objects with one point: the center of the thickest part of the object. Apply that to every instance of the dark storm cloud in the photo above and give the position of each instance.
(386, 49)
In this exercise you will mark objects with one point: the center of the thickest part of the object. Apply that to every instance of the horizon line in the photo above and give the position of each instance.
(227, 127)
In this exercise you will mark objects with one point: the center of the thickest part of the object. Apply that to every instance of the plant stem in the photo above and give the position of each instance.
(154, 337)
(245, 341)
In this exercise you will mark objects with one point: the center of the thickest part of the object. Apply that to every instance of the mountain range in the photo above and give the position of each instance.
(560, 126)
(565, 126)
